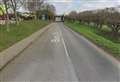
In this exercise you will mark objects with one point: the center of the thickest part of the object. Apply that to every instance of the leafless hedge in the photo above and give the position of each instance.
(108, 16)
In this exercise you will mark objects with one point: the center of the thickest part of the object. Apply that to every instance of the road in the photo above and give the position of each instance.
(61, 55)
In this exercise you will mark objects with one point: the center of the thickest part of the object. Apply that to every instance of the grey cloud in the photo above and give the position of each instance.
(81, 5)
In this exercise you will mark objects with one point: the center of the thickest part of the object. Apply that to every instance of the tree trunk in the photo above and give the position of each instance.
(7, 16)
(16, 17)
(115, 32)
(14, 7)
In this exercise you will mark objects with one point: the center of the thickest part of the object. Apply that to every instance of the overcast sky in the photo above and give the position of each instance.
(65, 6)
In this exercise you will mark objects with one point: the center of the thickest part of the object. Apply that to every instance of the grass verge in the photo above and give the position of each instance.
(92, 35)
(19, 32)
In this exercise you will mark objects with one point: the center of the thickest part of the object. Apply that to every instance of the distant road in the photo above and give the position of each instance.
(61, 55)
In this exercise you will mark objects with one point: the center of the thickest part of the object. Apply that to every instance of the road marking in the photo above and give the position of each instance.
(65, 46)
(68, 58)
(105, 54)
(56, 37)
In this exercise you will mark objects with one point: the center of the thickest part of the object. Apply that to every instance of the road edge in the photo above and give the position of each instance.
(106, 54)
(9, 54)
(72, 71)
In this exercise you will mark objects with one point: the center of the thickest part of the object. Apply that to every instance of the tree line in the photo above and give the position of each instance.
(39, 7)
(100, 17)
(35, 7)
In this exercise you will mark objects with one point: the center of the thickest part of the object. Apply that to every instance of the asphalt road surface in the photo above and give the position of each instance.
(61, 55)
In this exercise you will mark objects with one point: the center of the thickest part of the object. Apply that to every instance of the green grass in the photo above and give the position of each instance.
(19, 32)
(99, 40)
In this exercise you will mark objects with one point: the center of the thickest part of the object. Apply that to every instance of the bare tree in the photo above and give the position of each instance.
(113, 21)
(73, 15)
(15, 5)
(6, 2)
(51, 11)
(107, 16)
(34, 6)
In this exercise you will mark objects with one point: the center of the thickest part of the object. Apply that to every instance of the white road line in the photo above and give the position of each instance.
(63, 41)
(65, 47)
(105, 54)
(68, 58)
